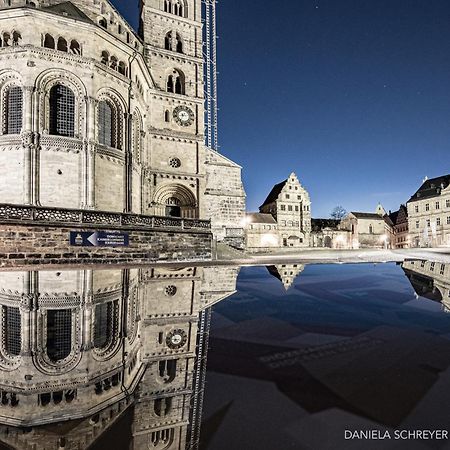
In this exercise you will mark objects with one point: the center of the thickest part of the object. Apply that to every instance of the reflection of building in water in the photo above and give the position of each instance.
(430, 279)
(86, 347)
(286, 273)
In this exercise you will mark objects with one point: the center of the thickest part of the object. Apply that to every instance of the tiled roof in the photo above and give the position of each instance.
(68, 9)
(431, 188)
(274, 193)
(363, 215)
(261, 218)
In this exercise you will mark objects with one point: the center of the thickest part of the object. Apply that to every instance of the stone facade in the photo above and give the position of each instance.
(326, 233)
(128, 342)
(400, 227)
(367, 229)
(97, 117)
(290, 206)
(261, 232)
(430, 280)
(429, 214)
(225, 198)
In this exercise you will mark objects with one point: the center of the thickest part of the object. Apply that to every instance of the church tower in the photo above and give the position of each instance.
(172, 35)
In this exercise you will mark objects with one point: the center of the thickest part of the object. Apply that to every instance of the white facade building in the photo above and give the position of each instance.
(429, 214)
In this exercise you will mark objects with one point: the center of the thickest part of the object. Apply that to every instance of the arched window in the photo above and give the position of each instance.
(62, 111)
(59, 334)
(167, 370)
(167, 116)
(75, 47)
(6, 39)
(113, 63)
(178, 8)
(167, 6)
(168, 41)
(162, 406)
(175, 83)
(106, 127)
(121, 68)
(106, 324)
(12, 330)
(103, 23)
(62, 45)
(105, 57)
(17, 37)
(370, 229)
(170, 84)
(49, 42)
(162, 439)
(14, 106)
(179, 44)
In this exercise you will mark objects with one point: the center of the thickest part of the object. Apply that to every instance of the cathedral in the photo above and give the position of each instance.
(86, 352)
(96, 116)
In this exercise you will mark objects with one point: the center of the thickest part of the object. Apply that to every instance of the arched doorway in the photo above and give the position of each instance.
(328, 242)
(175, 200)
(293, 241)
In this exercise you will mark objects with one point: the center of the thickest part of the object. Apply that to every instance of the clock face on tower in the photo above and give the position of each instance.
(183, 116)
(176, 339)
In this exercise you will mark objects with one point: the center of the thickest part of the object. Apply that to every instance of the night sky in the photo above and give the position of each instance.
(352, 95)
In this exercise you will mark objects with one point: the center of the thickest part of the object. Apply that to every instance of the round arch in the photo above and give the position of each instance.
(175, 200)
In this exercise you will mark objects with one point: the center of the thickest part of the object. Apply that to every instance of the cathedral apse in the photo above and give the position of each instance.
(87, 352)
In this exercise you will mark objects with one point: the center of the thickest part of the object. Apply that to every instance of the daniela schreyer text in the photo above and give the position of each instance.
(399, 435)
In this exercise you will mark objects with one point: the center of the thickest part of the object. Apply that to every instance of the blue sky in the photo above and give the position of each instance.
(352, 95)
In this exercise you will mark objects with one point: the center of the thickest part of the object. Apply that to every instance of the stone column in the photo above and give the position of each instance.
(87, 310)
(27, 143)
(128, 172)
(90, 153)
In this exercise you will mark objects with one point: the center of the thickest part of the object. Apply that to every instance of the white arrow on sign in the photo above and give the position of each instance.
(93, 239)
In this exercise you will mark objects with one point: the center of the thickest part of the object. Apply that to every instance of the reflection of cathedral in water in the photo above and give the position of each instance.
(430, 280)
(80, 349)
(286, 273)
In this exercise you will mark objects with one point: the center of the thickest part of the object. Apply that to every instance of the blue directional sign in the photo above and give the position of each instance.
(98, 239)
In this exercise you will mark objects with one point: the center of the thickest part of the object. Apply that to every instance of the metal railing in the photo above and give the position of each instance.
(77, 217)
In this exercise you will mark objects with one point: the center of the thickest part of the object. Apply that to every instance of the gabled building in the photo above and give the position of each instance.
(286, 273)
(399, 220)
(289, 204)
(368, 229)
(429, 213)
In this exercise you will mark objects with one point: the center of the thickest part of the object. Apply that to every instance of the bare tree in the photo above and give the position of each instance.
(338, 213)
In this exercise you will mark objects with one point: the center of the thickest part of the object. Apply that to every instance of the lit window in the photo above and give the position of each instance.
(14, 104)
(59, 334)
(105, 123)
(62, 111)
(12, 330)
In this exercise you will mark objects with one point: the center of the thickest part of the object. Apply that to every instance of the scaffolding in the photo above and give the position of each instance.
(210, 58)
